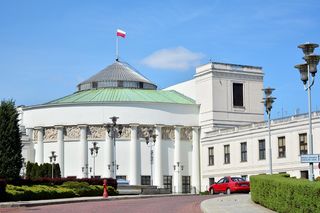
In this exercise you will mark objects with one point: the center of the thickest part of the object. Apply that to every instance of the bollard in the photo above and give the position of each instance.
(105, 186)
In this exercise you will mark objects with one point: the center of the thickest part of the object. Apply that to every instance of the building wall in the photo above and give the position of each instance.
(73, 155)
(289, 127)
(141, 113)
(214, 93)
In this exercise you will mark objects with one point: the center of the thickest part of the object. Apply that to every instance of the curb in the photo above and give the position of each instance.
(32, 203)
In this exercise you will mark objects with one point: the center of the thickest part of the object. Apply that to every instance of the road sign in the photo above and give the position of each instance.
(314, 158)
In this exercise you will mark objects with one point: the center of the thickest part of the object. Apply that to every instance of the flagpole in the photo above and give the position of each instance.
(117, 48)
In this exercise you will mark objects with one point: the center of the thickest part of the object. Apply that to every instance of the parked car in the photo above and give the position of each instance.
(229, 185)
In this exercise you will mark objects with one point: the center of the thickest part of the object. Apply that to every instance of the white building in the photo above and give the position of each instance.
(222, 100)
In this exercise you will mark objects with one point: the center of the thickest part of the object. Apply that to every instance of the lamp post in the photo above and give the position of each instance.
(178, 167)
(308, 71)
(24, 166)
(94, 153)
(114, 131)
(150, 144)
(86, 170)
(268, 101)
(53, 159)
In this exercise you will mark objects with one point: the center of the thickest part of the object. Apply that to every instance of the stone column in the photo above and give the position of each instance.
(195, 178)
(39, 151)
(31, 151)
(60, 154)
(177, 159)
(135, 157)
(84, 151)
(158, 176)
(108, 153)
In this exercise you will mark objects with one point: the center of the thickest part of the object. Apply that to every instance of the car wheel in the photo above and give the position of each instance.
(228, 191)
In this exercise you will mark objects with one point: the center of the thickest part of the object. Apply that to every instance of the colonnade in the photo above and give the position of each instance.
(135, 155)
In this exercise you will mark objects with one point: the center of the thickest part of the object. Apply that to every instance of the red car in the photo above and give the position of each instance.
(229, 185)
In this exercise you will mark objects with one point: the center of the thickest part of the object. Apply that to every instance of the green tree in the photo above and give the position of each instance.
(29, 168)
(10, 141)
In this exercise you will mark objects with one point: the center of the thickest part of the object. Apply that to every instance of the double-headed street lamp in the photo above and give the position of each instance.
(178, 167)
(268, 101)
(151, 140)
(94, 152)
(308, 71)
(53, 159)
(114, 130)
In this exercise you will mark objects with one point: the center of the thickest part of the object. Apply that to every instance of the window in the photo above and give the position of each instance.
(211, 156)
(304, 174)
(262, 149)
(120, 83)
(244, 177)
(303, 144)
(121, 177)
(145, 180)
(186, 184)
(167, 182)
(226, 154)
(211, 181)
(281, 147)
(237, 94)
(244, 152)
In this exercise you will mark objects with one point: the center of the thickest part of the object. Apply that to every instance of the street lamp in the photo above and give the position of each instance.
(308, 71)
(114, 130)
(53, 159)
(150, 144)
(86, 170)
(94, 153)
(268, 101)
(178, 167)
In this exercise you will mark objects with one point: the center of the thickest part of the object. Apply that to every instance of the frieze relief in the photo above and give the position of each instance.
(72, 133)
(167, 133)
(186, 134)
(96, 132)
(50, 134)
(35, 135)
(126, 132)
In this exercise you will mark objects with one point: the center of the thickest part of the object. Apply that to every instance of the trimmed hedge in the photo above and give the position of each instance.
(284, 194)
(67, 190)
(59, 181)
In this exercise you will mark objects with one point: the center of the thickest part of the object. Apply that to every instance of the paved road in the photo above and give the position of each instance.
(179, 204)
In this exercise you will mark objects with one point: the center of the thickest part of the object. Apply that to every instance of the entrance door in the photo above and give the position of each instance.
(167, 182)
(186, 184)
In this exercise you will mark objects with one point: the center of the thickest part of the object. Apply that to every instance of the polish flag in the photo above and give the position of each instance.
(121, 33)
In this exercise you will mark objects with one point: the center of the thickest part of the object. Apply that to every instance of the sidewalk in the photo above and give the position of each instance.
(79, 199)
(240, 203)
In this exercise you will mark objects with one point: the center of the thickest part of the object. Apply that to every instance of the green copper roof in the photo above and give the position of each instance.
(124, 95)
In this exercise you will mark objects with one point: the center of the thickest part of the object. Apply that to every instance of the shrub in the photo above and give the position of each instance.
(37, 192)
(283, 194)
(204, 193)
(84, 189)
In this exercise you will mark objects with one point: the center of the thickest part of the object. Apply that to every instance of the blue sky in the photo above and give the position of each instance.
(48, 47)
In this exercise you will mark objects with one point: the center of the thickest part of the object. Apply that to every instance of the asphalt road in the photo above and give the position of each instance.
(178, 204)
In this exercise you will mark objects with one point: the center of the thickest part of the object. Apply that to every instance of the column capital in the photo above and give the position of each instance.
(159, 125)
(40, 128)
(196, 127)
(178, 126)
(82, 126)
(59, 126)
(134, 125)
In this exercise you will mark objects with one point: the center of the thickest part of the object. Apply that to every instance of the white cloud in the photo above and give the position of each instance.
(178, 58)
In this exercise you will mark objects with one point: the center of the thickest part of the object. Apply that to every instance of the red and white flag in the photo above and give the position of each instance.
(121, 33)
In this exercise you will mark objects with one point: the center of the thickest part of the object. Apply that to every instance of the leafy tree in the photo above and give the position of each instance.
(28, 169)
(10, 141)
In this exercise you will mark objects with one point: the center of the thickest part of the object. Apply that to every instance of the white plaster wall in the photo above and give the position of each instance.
(290, 164)
(187, 88)
(142, 113)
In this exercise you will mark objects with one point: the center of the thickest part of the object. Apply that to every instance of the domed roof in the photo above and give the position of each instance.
(117, 75)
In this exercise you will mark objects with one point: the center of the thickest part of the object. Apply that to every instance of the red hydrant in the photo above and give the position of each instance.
(105, 186)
